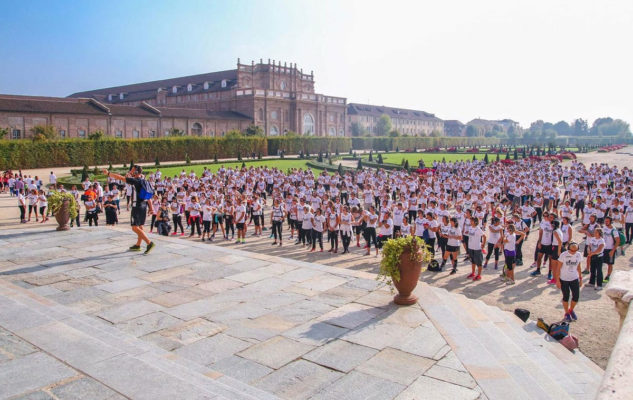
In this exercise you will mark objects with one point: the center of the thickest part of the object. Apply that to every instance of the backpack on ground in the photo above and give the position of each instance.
(434, 266)
(559, 330)
(541, 324)
(147, 191)
(522, 313)
(570, 342)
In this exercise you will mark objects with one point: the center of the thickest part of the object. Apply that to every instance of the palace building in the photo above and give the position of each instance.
(365, 117)
(278, 97)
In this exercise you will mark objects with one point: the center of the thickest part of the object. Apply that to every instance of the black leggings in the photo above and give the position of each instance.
(206, 226)
(92, 216)
(332, 237)
(151, 225)
(595, 276)
(195, 224)
(177, 220)
(431, 243)
(316, 235)
(491, 248)
(628, 226)
(229, 225)
(277, 230)
(22, 212)
(570, 286)
(346, 239)
(441, 242)
(370, 237)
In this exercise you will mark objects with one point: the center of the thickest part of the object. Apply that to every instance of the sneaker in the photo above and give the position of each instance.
(477, 278)
(573, 315)
(472, 275)
(621, 252)
(606, 279)
(520, 263)
(549, 276)
(503, 277)
(203, 239)
(135, 248)
(551, 281)
(485, 265)
(496, 266)
(149, 247)
(598, 288)
(533, 265)
(585, 272)
(536, 272)
(510, 282)
(567, 318)
(453, 271)
(174, 233)
(238, 241)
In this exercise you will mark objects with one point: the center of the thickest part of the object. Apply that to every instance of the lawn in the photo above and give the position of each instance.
(396, 158)
(280, 164)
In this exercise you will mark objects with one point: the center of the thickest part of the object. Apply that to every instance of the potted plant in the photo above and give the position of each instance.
(64, 207)
(401, 263)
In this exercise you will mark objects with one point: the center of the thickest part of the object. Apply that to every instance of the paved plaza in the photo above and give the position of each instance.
(82, 318)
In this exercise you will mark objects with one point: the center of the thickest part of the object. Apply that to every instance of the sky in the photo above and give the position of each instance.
(525, 60)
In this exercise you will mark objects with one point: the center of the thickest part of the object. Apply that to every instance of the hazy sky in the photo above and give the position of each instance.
(524, 60)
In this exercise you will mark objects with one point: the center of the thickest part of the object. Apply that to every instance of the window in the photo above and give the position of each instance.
(331, 131)
(152, 133)
(308, 124)
(118, 133)
(16, 134)
(260, 114)
(166, 133)
(282, 85)
(341, 132)
(135, 134)
(331, 117)
(196, 129)
(273, 115)
(274, 131)
(81, 133)
(62, 133)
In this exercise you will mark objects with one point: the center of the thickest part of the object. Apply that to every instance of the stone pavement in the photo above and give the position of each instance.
(82, 318)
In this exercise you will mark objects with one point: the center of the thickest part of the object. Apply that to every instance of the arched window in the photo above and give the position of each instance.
(196, 129)
(308, 124)
(331, 131)
(260, 114)
(274, 131)
(273, 115)
(341, 132)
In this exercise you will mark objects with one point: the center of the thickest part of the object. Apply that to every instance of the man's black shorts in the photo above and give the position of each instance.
(545, 249)
(138, 215)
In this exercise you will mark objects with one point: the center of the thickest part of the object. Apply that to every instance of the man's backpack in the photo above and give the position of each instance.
(559, 330)
(147, 191)
(434, 266)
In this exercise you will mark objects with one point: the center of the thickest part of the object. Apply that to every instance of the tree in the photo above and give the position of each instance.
(358, 129)
(486, 158)
(394, 133)
(44, 132)
(472, 131)
(254, 130)
(379, 158)
(406, 165)
(187, 159)
(498, 158)
(610, 127)
(84, 173)
(360, 164)
(512, 134)
(96, 135)
(157, 161)
(4, 132)
(516, 154)
(507, 155)
(371, 156)
(580, 127)
(562, 128)
(435, 133)
(176, 132)
(383, 127)
(340, 169)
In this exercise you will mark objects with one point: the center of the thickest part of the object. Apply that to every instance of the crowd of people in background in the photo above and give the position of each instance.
(485, 211)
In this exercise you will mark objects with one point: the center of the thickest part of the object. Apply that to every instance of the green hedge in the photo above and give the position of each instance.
(411, 142)
(312, 144)
(58, 153)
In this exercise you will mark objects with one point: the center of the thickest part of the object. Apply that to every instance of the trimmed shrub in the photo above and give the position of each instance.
(294, 144)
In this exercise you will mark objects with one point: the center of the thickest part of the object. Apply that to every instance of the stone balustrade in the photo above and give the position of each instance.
(617, 383)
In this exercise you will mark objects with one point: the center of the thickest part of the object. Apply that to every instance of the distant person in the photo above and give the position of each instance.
(140, 194)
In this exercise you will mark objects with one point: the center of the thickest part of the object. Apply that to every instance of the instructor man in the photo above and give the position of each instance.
(135, 178)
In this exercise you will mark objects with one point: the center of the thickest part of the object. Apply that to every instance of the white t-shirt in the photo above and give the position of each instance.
(474, 238)
(384, 231)
(569, 265)
(511, 241)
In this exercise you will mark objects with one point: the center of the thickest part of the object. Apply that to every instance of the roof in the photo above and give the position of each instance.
(453, 122)
(480, 121)
(377, 111)
(64, 105)
(146, 90)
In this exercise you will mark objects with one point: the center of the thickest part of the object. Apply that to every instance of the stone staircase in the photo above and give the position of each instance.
(130, 366)
(508, 358)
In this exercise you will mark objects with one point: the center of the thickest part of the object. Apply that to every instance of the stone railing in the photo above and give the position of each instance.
(617, 383)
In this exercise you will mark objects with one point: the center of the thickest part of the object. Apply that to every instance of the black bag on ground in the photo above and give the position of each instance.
(522, 313)
(434, 266)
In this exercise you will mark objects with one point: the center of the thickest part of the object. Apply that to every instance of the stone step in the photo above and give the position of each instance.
(519, 348)
(576, 365)
(490, 374)
(96, 347)
(513, 359)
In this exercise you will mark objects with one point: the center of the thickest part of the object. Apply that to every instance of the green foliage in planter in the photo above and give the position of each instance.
(392, 250)
(55, 200)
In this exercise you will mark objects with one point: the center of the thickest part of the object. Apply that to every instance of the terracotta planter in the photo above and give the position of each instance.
(409, 276)
(63, 216)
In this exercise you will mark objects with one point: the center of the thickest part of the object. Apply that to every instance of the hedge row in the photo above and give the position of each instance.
(310, 144)
(414, 142)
